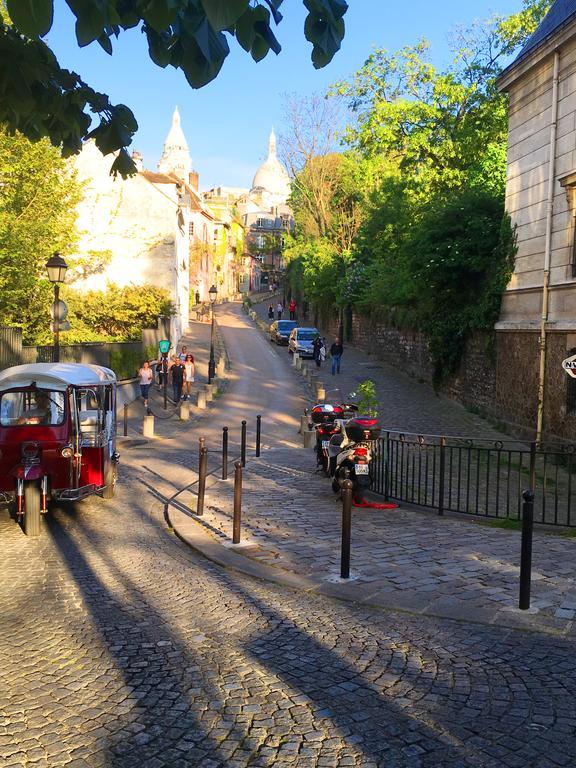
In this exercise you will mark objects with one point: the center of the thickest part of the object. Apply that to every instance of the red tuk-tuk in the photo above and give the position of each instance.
(57, 436)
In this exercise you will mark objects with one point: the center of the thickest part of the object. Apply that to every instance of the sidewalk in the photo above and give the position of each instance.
(401, 559)
(167, 423)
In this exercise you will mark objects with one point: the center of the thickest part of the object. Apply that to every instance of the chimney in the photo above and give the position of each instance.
(193, 180)
(138, 160)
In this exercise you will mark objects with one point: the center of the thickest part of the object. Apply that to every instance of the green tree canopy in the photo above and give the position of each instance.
(41, 99)
(38, 199)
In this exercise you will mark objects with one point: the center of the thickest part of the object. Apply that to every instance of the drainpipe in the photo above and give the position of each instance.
(547, 248)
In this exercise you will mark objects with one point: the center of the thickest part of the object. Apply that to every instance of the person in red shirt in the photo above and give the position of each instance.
(292, 309)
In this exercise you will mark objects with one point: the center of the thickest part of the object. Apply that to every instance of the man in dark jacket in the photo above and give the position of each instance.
(177, 374)
(336, 352)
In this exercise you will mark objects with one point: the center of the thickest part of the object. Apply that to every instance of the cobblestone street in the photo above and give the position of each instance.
(120, 646)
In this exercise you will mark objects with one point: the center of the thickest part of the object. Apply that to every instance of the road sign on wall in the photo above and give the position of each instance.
(569, 366)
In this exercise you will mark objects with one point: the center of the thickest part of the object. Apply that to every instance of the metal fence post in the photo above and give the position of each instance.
(526, 549)
(125, 419)
(442, 473)
(243, 444)
(258, 434)
(202, 481)
(387, 462)
(532, 466)
(237, 519)
(346, 529)
(224, 453)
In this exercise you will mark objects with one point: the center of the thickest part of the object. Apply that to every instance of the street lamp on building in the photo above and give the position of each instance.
(56, 268)
(213, 293)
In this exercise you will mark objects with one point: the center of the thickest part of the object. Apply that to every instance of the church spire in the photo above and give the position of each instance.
(176, 155)
(272, 144)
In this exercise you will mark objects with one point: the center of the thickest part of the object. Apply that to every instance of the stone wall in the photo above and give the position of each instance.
(497, 376)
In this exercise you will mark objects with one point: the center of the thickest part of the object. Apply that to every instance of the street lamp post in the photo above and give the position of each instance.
(213, 293)
(56, 268)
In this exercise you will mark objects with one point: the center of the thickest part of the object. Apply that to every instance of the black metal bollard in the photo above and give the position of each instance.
(202, 481)
(258, 434)
(346, 529)
(224, 453)
(243, 444)
(237, 519)
(125, 419)
(526, 549)
(442, 476)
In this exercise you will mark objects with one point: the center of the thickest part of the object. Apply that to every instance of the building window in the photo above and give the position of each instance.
(571, 389)
(191, 229)
(569, 184)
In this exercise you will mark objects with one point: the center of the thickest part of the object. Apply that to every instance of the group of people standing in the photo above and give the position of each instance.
(280, 310)
(180, 371)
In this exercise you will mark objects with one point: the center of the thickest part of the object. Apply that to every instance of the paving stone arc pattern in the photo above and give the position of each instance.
(119, 647)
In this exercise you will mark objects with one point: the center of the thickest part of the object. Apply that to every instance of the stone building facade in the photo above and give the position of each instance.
(146, 228)
(537, 327)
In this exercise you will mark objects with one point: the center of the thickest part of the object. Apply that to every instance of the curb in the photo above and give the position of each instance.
(189, 529)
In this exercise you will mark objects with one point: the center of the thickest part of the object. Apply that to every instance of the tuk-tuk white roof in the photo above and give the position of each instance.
(55, 375)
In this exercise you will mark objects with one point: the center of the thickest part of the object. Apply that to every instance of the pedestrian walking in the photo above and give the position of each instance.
(270, 312)
(279, 310)
(317, 346)
(177, 372)
(183, 353)
(336, 352)
(188, 376)
(292, 309)
(146, 375)
(197, 297)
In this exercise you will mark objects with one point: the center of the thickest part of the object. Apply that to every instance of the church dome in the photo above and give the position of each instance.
(271, 176)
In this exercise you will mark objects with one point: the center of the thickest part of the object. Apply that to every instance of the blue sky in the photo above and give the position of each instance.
(228, 121)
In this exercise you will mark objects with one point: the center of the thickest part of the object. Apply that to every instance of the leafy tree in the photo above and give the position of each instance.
(450, 272)
(447, 128)
(116, 314)
(39, 193)
(41, 99)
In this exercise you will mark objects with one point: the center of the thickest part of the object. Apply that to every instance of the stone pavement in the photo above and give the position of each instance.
(122, 648)
(406, 559)
(406, 404)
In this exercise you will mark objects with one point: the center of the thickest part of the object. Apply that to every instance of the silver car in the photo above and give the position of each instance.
(302, 340)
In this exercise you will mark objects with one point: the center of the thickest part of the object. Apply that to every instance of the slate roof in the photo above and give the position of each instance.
(559, 14)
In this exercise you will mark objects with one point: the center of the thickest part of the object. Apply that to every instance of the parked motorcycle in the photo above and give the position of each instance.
(350, 452)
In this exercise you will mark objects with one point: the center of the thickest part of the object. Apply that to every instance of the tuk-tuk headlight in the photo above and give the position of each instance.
(67, 451)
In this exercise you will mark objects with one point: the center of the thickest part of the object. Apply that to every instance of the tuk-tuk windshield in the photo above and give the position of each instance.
(37, 406)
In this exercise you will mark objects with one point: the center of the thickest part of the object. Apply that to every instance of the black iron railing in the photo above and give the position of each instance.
(477, 477)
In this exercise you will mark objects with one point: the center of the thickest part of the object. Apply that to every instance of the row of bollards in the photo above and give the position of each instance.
(238, 466)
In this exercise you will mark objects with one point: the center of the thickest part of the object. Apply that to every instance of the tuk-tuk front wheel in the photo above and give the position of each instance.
(32, 504)
(110, 477)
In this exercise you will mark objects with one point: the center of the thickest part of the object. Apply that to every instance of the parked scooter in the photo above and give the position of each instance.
(323, 417)
(350, 452)
(326, 418)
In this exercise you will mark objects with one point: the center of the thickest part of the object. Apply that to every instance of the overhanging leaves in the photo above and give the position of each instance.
(32, 17)
(39, 98)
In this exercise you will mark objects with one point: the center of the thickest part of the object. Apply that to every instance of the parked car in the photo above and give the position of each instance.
(301, 341)
(280, 331)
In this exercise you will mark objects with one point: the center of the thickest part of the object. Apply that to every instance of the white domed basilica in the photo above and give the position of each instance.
(271, 179)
